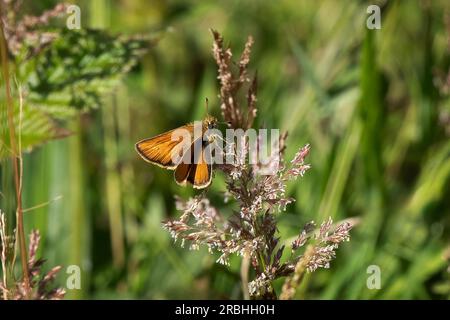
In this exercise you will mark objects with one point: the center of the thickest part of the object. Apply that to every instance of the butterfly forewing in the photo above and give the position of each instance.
(164, 149)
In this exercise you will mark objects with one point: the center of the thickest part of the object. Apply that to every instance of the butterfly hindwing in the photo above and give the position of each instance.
(200, 174)
(198, 171)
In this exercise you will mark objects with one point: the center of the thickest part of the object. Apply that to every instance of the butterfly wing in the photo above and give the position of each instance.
(199, 171)
(200, 175)
(182, 173)
(163, 149)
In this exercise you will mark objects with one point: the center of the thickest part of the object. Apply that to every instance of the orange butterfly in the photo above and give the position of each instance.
(173, 151)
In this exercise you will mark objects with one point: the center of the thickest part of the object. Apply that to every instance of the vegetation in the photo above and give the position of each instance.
(373, 104)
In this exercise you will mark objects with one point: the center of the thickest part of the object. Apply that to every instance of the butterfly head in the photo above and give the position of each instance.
(210, 122)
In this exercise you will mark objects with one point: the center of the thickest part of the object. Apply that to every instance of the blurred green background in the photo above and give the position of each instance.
(371, 103)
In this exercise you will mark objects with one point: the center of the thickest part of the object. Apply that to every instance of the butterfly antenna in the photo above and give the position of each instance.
(207, 106)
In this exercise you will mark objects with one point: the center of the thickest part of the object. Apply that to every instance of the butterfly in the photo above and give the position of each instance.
(172, 150)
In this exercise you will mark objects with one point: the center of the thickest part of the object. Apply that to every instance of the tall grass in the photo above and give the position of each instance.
(16, 152)
(368, 101)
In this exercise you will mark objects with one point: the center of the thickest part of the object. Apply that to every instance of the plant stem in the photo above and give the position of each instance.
(291, 283)
(100, 10)
(3, 253)
(270, 291)
(16, 160)
(244, 275)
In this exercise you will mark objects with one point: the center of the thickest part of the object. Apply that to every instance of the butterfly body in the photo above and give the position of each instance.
(184, 150)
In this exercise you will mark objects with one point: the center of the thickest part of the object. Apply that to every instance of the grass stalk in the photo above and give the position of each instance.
(16, 158)
(245, 266)
(293, 282)
(100, 18)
